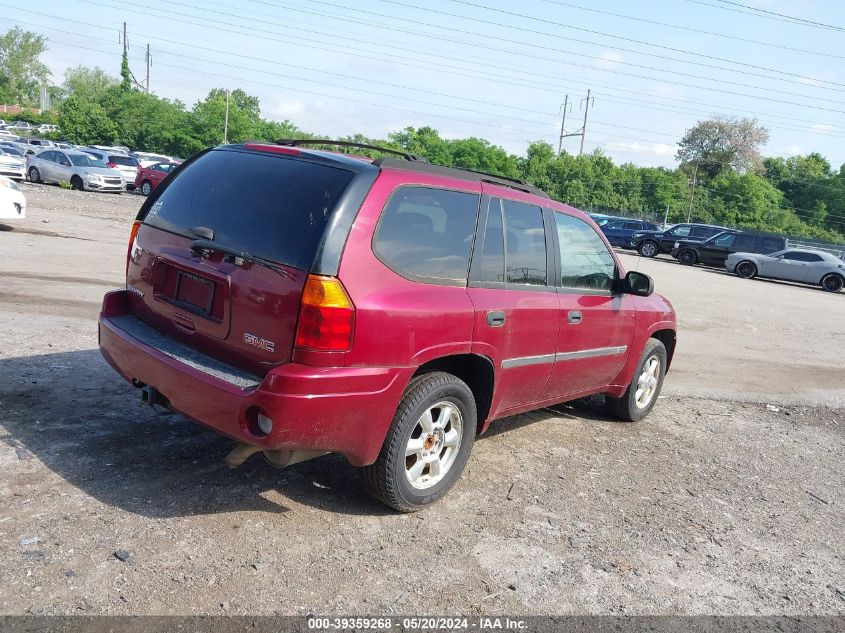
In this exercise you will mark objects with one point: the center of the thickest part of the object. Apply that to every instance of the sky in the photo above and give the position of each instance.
(494, 69)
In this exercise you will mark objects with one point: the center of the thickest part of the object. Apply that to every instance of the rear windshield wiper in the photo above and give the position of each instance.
(203, 247)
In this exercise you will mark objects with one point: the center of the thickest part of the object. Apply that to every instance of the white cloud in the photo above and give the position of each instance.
(610, 59)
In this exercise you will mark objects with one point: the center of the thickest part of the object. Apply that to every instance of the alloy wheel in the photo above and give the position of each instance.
(433, 445)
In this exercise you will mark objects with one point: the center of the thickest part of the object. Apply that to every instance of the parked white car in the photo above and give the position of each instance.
(145, 159)
(12, 166)
(12, 200)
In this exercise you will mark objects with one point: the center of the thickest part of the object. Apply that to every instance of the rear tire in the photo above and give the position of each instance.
(76, 184)
(641, 395)
(746, 269)
(832, 282)
(649, 248)
(434, 423)
(688, 258)
(146, 188)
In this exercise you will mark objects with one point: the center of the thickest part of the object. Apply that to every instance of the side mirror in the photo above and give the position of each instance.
(639, 284)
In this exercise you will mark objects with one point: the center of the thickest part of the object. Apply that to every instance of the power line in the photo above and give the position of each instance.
(334, 35)
(694, 30)
(791, 18)
(577, 28)
(833, 87)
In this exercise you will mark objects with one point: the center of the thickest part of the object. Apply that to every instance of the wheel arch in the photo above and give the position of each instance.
(668, 337)
(475, 370)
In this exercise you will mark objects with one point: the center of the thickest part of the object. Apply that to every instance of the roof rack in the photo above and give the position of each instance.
(298, 142)
(469, 174)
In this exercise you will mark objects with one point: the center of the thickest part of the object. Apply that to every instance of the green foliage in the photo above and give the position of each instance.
(64, 184)
(125, 74)
(21, 71)
(98, 109)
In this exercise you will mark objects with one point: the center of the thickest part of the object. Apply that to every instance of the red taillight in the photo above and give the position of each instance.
(133, 234)
(326, 316)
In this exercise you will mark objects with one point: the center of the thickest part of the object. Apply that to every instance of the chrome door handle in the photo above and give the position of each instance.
(495, 318)
(573, 316)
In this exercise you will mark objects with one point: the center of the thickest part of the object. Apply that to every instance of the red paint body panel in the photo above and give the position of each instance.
(342, 410)
(344, 402)
(248, 299)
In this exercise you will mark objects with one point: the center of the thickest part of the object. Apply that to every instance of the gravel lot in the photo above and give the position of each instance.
(716, 504)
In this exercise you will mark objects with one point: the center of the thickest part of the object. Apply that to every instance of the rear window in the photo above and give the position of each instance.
(126, 161)
(268, 206)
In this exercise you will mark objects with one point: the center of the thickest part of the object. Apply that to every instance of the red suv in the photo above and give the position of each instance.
(303, 302)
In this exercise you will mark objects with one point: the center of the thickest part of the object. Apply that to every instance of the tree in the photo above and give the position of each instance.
(721, 143)
(21, 72)
(85, 122)
(90, 84)
(125, 73)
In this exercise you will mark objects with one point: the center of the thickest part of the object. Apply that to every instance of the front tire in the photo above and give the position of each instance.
(649, 248)
(746, 269)
(832, 282)
(146, 188)
(688, 258)
(34, 176)
(641, 395)
(76, 184)
(427, 446)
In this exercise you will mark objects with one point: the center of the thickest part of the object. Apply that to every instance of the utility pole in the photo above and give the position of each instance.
(226, 122)
(666, 216)
(692, 192)
(562, 125)
(149, 60)
(125, 44)
(584, 129)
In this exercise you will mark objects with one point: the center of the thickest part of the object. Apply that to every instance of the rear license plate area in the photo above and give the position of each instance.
(194, 293)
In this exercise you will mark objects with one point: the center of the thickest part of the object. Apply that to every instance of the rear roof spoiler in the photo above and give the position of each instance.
(299, 142)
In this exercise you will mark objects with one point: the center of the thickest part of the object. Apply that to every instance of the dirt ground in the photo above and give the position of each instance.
(715, 504)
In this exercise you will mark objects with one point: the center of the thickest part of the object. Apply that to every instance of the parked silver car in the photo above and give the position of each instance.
(79, 169)
(792, 264)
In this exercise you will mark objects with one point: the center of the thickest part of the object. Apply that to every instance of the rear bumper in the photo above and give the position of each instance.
(343, 410)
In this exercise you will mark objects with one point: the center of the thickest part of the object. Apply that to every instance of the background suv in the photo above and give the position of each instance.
(715, 250)
(621, 232)
(386, 310)
(653, 243)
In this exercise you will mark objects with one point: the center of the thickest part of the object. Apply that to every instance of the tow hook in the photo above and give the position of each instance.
(153, 397)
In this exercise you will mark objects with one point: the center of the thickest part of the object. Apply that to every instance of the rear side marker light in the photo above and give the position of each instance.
(326, 316)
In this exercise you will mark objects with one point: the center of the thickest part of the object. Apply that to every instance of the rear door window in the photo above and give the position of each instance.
(427, 232)
(525, 244)
(491, 266)
(770, 245)
(633, 226)
(745, 243)
(270, 206)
